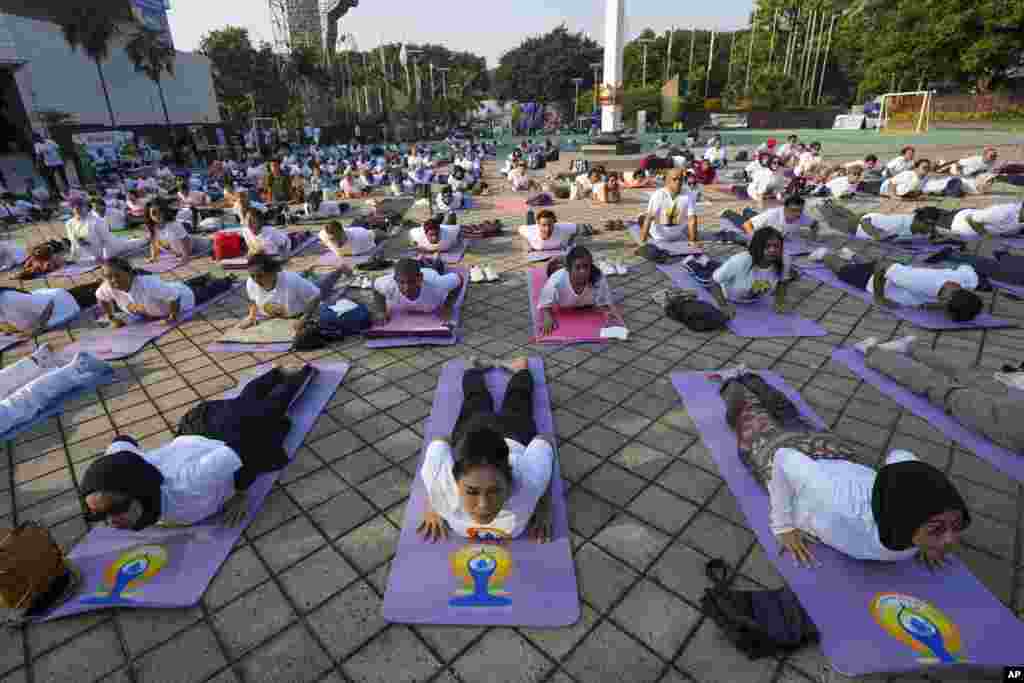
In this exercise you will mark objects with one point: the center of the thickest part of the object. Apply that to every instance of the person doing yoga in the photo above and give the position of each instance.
(973, 397)
(415, 288)
(671, 213)
(819, 492)
(893, 284)
(137, 292)
(787, 219)
(351, 241)
(264, 239)
(547, 234)
(434, 236)
(497, 483)
(221, 448)
(576, 284)
(170, 235)
(761, 270)
(924, 221)
(275, 293)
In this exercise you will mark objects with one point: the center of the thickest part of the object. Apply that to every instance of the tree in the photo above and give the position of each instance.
(93, 30)
(248, 80)
(541, 69)
(152, 55)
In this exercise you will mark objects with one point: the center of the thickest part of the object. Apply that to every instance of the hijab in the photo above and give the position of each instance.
(123, 470)
(906, 495)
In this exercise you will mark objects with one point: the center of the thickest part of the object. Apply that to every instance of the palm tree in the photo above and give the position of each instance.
(93, 31)
(152, 55)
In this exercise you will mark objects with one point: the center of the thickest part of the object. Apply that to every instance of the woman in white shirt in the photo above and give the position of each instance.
(497, 484)
(434, 236)
(747, 276)
(136, 292)
(908, 184)
(264, 239)
(819, 492)
(351, 241)
(222, 448)
(904, 162)
(276, 293)
(547, 234)
(577, 284)
(787, 219)
(519, 178)
(165, 234)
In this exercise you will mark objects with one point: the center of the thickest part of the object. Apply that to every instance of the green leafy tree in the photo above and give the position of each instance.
(152, 55)
(93, 31)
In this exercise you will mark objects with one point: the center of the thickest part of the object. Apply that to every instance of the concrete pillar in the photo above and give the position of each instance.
(614, 45)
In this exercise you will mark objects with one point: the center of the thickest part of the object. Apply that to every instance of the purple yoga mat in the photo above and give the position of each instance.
(924, 318)
(75, 269)
(164, 264)
(331, 260)
(181, 561)
(9, 340)
(841, 596)
(753, 320)
(405, 326)
(678, 248)
(127, 341)
(454, 255)
(1005, 460)
(540, 588)
(543, 255)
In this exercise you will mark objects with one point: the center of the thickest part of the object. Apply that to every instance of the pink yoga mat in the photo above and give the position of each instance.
(855, 604)
(454, 255)
(419, 329)
(533, 585)
(1005, 460)
(179, 563)
(577, 326)
(753, 320)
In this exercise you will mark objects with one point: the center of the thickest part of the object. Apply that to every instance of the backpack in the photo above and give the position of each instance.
(227, 245)
(762, 623)
(315, 335)
(697, 315)
(34, 574)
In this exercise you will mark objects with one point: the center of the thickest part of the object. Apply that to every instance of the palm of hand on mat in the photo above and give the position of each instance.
(796, 541)
(434, 528)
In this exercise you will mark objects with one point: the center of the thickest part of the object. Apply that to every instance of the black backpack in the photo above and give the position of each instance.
(697, 315)
(762, 623)
(654, 254)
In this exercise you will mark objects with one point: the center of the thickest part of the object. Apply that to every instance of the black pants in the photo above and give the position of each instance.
(315, 198)
(51, 173)
(206, 287)
(516, 418)
(857, 275)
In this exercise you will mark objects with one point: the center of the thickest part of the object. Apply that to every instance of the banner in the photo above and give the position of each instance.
(849, 122)
(729, 121)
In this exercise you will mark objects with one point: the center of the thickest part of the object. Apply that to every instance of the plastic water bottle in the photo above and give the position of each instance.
(530, 218)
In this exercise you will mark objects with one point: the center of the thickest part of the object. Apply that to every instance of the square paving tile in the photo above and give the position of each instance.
(394, 656)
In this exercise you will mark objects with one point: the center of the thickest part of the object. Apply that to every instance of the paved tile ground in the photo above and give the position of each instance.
(299, 599)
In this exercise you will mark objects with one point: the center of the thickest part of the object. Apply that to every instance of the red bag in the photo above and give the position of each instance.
(227, 245)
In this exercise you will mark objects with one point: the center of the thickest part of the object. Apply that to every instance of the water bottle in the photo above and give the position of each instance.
(530, 218)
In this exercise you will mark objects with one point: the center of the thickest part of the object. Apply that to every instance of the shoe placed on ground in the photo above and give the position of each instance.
(732, 373)
(490, 273)
(901, 345)
(866, 345)
(476, 274)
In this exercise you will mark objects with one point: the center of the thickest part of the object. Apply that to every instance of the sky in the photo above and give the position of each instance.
(484, 27)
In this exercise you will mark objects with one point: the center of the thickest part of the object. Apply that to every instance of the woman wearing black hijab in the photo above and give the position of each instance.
(819, 493)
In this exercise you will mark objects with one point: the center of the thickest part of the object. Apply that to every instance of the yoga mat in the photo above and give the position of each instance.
(275, 335)
(331, 260)
(756, 319)
(539, 589)
(841, 595)
(20, 254)
(9, 340)
(543, 255)
(1002, 459)
(575, 326)
(75, 269)
(792, 246)
(454, 255)
(419, 329)
(927, 319)
(114, 344)
(57, 408)
(677, 248)
(164, 264)
(177, 564)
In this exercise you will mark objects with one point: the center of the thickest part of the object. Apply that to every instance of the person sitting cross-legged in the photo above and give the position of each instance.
(577, 283)
(416, 289)
(818, 491)
(671, 213)
(492, 478)
(221, 448)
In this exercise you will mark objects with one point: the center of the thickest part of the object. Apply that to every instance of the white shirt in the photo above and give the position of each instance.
(454, 203)
(292, 292)
(531, 475)
(150, 292)
(899, 165)
(560, 236)
(361, 240)
(831, 500)
(23, 310)
(911, 286)
(448, 238)
(841, 186)
(50, 152)
(741, 281)
(558, 291)
(763, 181)
(199, 476)
(670, 214)
(519, 179)
(433, 293)
(999, 219)
(972, 166)
(892, 224)
(776, 218)
(270, 241)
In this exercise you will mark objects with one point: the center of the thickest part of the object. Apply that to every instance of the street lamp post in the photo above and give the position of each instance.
(645, 41)
(596, 66)
(576, 120)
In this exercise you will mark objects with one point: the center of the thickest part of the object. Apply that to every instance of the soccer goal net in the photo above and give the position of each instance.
(905, 112)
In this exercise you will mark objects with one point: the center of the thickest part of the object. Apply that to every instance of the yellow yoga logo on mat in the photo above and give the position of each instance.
(919, 625)
(482, 569)
(124, 576)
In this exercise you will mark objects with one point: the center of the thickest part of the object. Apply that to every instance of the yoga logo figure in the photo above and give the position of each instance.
(127, 573)
(919, 625)
(482, 570)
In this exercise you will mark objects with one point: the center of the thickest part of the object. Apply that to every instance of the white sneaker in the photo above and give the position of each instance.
(818, 254)
(901, 345)
(733, 372)
(492, 275)
(476, 274)
(866, 345)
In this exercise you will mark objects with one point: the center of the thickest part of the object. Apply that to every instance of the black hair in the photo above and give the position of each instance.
(124, 265)
(262, 263)
(922, 161)
(437, 220)
(577, 252)
(871, 157)
(482, 445)
(759, 243)
(447, 189)
(816, 145)
(904, 150)
(964, 306)
(794, 201)
(928, 214)
(408, 267)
